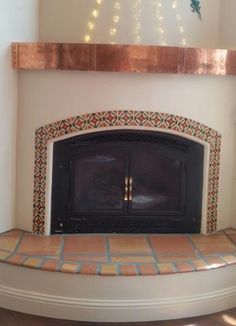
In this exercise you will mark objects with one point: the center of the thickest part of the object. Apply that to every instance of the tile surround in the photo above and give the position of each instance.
(108, 119)
(145, 259)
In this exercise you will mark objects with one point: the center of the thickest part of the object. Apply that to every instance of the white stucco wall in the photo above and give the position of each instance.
(45, 97)
(227, 29)
(18, 22)
(50, 96)
(67, 21)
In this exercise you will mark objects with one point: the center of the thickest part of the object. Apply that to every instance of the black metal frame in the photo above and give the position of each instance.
(63, 220)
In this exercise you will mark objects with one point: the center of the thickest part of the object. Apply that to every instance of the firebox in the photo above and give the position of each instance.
(127, 181)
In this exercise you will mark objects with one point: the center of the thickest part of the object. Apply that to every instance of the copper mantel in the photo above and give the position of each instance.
(123, 58)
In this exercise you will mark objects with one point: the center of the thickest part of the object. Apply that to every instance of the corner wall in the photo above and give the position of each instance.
(18, 22)
(228, 24)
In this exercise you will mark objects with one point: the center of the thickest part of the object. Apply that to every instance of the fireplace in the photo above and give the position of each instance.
(127, 182)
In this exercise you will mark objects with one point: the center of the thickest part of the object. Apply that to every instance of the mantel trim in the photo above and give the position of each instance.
(123, 58)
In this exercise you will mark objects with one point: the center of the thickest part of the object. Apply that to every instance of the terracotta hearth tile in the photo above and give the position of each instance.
(172, 246)
(230, 231)
(4, 254)
(129, 244)
(85, 245)
(9, 243)
(14, 232)
(69, 268)
(33, 262)
(51, 265)
(133, 259)
(229, 259)
(166, 268)
(128, 270)
(39, 246)
(213, 244)
(200, 265)
(88, 269)
(216, 262)
(86, 258)
(176, 258)
(108, 270)
(184, 267)
(148, 269)
(232, 236)
(16, 259)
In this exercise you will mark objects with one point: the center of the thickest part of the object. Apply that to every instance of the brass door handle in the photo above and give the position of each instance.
(126, 189)
(130, 188)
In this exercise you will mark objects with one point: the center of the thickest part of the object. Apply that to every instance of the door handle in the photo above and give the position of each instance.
(130, 188)
(126, 189)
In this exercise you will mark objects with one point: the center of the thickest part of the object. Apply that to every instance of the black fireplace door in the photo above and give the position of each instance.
(97, 177)
(127, 181)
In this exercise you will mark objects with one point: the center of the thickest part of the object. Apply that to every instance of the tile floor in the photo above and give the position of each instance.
(112, 255)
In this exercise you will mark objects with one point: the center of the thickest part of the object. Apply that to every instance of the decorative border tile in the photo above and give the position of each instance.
(121, 119)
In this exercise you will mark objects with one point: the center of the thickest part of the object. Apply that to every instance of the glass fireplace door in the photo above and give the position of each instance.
(98, 176)
(157, 181)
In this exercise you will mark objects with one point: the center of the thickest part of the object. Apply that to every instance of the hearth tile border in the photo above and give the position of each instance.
(74, 264)
(130, 118)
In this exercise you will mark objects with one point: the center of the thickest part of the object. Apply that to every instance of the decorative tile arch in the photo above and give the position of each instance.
(121, 119)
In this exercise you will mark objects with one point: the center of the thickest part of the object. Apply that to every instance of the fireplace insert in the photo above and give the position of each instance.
(127, 181)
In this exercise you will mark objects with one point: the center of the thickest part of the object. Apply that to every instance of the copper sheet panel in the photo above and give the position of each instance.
(57, 56)
(195, 61)
(77, 57)
(230, 65)
(123, 58)
(132, 58)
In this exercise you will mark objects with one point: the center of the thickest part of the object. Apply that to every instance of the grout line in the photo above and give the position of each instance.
(18, 243)
(108, 251)
(228, 237)
(154, 253)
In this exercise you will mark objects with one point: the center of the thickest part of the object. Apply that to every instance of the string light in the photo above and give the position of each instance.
(115, 20)
(157, 5)
(92, 21)
(137, 17)
(179, 23)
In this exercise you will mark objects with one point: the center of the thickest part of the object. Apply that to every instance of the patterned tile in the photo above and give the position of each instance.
(123, 118)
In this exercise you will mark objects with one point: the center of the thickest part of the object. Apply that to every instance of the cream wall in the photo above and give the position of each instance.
(45, 97)
(228, 24)
(18, 22)
(49, 96)
(67, 21)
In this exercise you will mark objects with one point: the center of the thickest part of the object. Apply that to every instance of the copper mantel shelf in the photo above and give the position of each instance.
(123, 58)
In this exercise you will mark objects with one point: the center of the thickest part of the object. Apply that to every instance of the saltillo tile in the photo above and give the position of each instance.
(9, 243)
(84, 244)
(148, 269)
(109, 269)
(213, 244)
(16, 259)
(51, 265)
(132, 259)
(129, 244)
(88, 269)
(128, 270)
(172, 246)
(34, 245)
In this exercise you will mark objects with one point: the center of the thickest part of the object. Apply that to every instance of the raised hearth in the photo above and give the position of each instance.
(125, 255)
